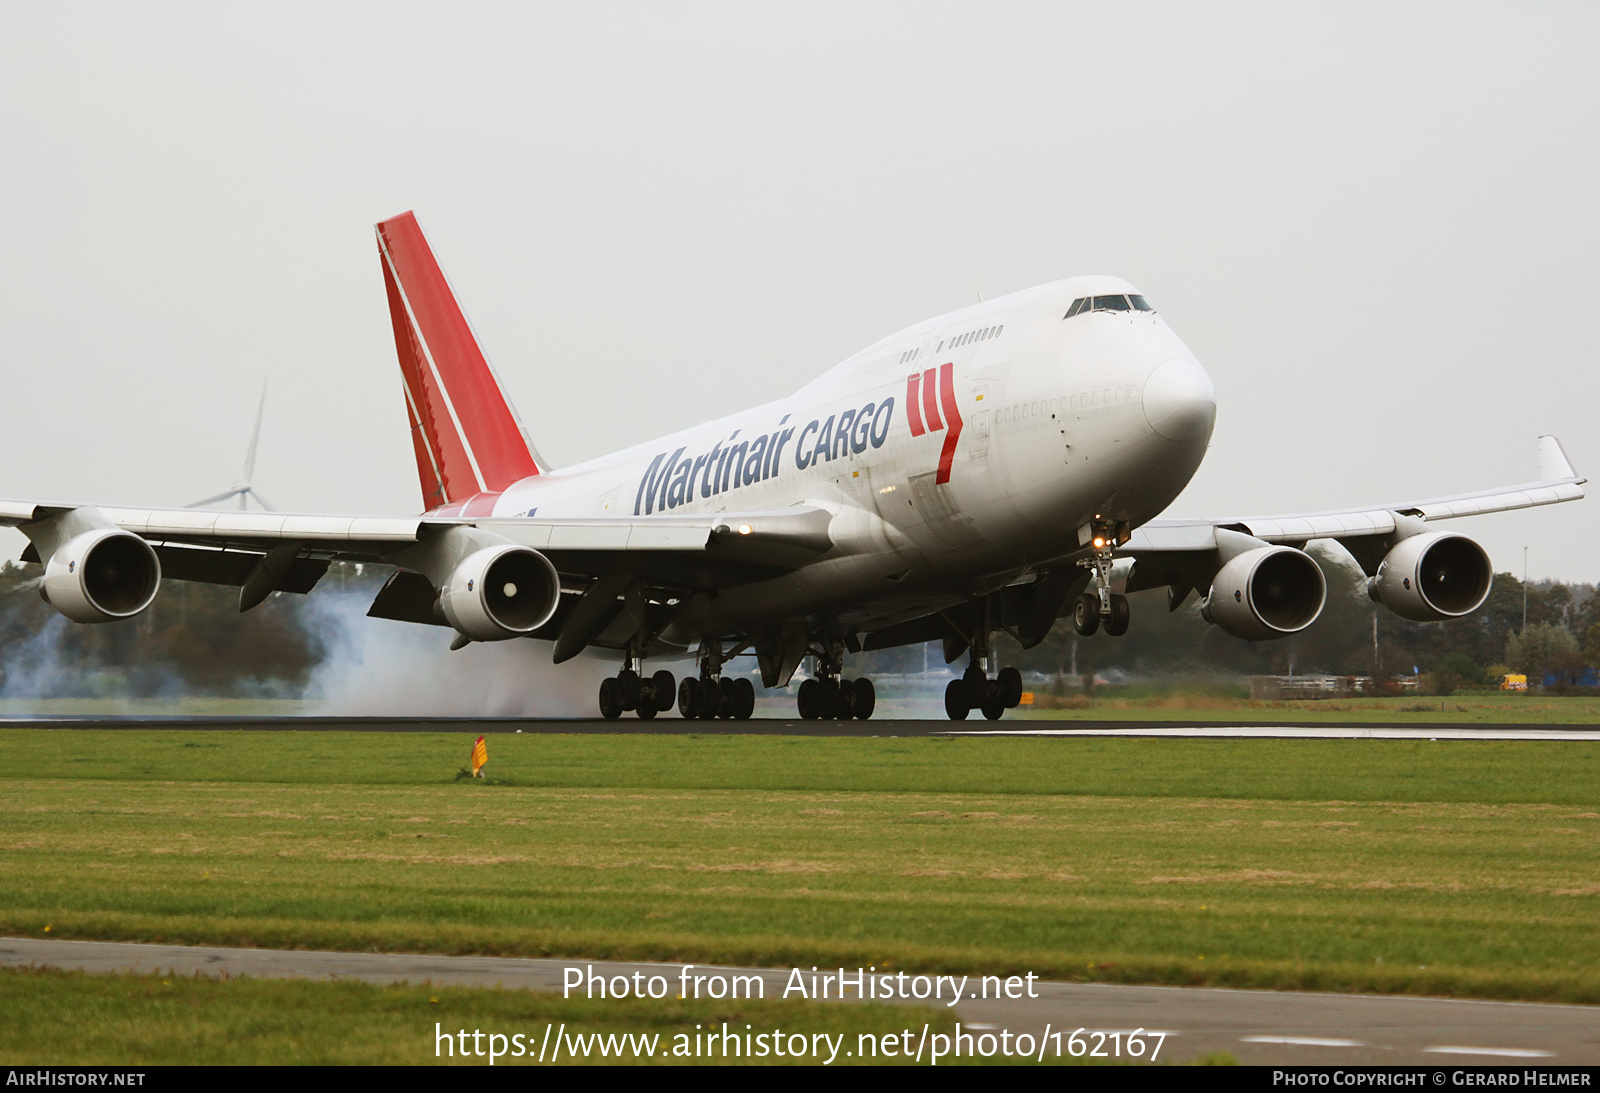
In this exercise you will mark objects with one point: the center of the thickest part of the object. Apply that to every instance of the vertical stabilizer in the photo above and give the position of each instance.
(467, 435)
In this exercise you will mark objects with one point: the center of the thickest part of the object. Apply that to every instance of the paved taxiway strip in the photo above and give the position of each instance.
(1262, 1027)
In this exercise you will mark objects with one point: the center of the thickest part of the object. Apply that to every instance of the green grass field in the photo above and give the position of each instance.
(1462, 868)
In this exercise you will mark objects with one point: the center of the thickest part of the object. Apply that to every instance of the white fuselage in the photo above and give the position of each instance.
(1061, 420)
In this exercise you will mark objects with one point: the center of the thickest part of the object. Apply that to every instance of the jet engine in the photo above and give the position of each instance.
(1433, 576)
(101, 575)
(501, 592)
(1268, 592)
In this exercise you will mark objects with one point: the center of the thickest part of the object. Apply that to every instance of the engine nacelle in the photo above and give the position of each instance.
(1268, 592)
(101, 576)
(1433, 576)
(501, 592)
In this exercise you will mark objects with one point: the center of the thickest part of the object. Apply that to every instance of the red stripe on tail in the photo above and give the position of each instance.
(467, 437)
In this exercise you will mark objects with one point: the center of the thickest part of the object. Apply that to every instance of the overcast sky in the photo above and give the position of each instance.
(1375, 225)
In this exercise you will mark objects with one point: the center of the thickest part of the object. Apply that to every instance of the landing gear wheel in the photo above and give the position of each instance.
(866, 698)
(1010, 681)
(1117, 624)
(957, 702)
(746, 704)
(628, 688)
(847, 699)
(647, 712)
(992, 705)
(809, 700)
(832, 699)
(707, 700)
(728, 709)
(666, 687)
(1086, 614)
(610, 699)
(689, 697)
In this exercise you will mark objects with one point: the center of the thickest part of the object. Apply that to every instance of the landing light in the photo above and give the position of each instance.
(745, 529)
(1099, 542)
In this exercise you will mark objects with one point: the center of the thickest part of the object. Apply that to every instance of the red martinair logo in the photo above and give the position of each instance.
(923, 403)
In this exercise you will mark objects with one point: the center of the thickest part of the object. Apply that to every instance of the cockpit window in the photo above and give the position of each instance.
(1107, 303)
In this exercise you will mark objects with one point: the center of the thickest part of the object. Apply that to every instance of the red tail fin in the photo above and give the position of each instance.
(467, 436)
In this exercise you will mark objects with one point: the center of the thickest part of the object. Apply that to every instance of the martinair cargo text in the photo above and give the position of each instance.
(992, 469)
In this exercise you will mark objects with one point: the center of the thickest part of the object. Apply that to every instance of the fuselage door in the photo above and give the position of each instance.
(980, 421)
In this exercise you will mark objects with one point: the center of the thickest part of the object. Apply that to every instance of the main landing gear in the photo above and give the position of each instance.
(976, 691)
(628, 690)
(829, 698)
(714, 695)
(826, 696)
(1102, 605)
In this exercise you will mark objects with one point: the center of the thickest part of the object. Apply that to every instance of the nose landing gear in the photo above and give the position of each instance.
(1102, 605)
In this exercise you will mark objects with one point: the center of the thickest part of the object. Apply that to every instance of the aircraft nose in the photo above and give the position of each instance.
(1179, 401)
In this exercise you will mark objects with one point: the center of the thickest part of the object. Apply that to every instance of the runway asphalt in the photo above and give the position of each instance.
(674, 726)
(1256, 1027)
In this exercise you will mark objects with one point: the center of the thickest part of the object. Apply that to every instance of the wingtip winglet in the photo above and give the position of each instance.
(1554, 466)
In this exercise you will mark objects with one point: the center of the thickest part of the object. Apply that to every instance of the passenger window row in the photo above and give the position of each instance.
(1053, 406)
(973, 336)
(1107, 303)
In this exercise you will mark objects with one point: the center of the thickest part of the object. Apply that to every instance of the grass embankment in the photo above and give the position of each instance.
(57, 1018)
(1452, 868)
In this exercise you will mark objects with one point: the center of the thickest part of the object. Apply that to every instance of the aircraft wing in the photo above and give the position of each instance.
(683, 552)
(1185, 554)
(1557, 482)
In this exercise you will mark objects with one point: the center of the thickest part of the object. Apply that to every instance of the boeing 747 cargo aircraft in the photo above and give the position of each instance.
(993, 469)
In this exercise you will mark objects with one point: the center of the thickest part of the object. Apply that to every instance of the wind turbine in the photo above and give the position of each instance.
(242, 489)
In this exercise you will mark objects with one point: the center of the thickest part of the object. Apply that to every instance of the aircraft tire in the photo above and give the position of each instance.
(689, 697)
(957, 703)
(1010, 681)
(993, 705)
(666, 687)
(747, 699)
(832, 700)
(1117, 624)
(1086, 614)
(647, 711)
(610, 699)
(807, 700)
(847, 699)
(628, 688)
(707, 700)
(729, 688)
(866, 698)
